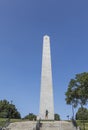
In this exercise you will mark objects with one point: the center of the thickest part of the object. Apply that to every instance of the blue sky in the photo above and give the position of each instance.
(23, 23)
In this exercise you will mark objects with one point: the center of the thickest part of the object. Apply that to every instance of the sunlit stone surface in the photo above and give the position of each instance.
(46, 93)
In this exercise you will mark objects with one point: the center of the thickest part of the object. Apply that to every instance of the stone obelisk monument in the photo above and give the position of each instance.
(46, 93)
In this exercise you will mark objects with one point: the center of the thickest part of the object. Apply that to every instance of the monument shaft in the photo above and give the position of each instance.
(46, 93)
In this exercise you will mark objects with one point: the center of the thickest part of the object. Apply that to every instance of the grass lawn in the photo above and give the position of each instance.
(4, 120)
(80, 123)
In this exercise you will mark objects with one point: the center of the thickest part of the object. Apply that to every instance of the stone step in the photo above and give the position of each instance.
(59, 125)
(29, 125)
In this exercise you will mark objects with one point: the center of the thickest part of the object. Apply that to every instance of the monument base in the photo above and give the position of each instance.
(44, 119)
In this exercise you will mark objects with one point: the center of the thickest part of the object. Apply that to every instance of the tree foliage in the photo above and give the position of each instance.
(8, 110)
(31, 116)
(82, 114)
(56, 117)
(77, 92)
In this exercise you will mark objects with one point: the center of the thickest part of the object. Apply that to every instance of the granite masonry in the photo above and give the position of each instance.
(46, 93)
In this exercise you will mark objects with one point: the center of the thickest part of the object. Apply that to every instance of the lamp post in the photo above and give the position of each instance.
(68, 117)
(72, 111)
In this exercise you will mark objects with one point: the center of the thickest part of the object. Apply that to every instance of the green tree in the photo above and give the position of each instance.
(31, 116)
(77, 92)
(82, 114)
(8, 110)
(56, 117)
